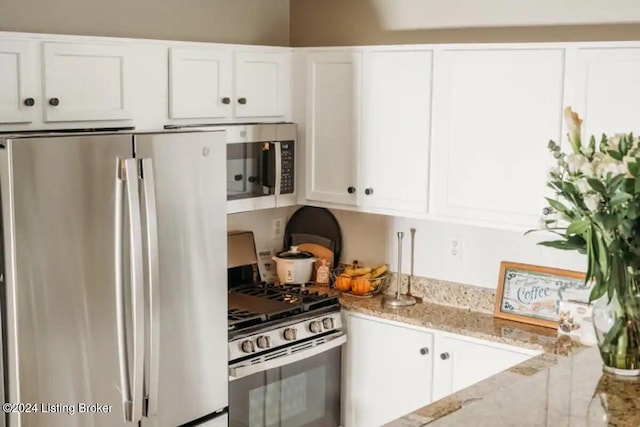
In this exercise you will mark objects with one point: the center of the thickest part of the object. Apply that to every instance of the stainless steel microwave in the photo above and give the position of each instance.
(260, 165)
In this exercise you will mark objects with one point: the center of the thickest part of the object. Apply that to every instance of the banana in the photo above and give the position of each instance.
(348, 271)
(361, 271)
(379, 271)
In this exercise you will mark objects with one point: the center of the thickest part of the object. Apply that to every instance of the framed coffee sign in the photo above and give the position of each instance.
(531, 293)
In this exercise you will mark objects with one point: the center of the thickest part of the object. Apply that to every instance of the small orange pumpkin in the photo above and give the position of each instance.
(343, 282)
(360, 286)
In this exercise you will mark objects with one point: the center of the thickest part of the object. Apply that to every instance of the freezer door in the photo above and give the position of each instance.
(59, 201)
(188, 173)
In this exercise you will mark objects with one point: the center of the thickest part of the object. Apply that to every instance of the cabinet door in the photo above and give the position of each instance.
(396, 130)
(262, 84)
(460, 363)
(85, 81)
(199, 83)
(388, 375)
(333, 126)
(607, 90)
(494, 113)
(17, 91)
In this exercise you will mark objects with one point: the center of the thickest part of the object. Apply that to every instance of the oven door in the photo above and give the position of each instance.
(298, 389)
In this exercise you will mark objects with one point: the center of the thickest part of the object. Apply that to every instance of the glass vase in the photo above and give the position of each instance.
(617, 327)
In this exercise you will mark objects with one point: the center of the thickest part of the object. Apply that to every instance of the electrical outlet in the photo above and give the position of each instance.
(278, 227)
(455, 248)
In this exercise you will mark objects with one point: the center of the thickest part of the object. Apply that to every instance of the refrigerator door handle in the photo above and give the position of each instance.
(152, 367)
(132, 395)
(125, 383)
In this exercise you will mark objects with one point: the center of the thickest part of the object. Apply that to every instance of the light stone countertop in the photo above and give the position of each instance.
(564, 386)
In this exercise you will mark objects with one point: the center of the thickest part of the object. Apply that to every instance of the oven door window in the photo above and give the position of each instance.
(247, 174)
(304, 393)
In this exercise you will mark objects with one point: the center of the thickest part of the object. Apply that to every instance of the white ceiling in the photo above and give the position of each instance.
(426, 14)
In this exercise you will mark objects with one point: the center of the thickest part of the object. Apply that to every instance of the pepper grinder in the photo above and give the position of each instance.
(399, 300)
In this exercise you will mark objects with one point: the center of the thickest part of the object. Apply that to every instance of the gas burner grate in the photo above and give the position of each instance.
(279, 302)
(239, 319)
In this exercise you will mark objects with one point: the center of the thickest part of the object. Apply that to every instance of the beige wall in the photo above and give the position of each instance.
(225, 21)
(356, 22)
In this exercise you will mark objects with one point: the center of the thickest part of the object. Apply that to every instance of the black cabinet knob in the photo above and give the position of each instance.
(226, 100)
(351, 190)
(424, 351)
(29, 102)
(444, 356)
(54, 102)
(253, 179)
(547, 210)
(368, 191)
(237, 177)
(242, 101)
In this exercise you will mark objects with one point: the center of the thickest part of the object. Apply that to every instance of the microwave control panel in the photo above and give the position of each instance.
(287, 159)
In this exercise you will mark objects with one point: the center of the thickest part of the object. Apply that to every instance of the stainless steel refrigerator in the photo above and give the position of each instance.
(114, 299)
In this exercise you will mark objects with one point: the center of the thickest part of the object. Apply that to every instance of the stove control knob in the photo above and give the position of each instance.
(327, 322)
(315, 326)
(290, 334)
(263, 341)
(247, 346)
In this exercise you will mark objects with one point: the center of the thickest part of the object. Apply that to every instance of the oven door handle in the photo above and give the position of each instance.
(243, 371)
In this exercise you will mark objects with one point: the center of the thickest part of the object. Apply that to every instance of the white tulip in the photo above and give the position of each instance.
(575, 162)
(587, 170)
(583, 186)
(614, 141)
(592, 201)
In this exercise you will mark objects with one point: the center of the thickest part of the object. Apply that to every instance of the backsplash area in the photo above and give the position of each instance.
(262, 224)
(373, 238)
(466, 297)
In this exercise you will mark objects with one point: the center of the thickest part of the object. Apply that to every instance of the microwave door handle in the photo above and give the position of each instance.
(269, 166)
(137, 292)
(152, 367)
(278, 181)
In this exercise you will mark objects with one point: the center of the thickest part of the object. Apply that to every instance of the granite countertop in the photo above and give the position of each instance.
(464, 322)
(562, 386)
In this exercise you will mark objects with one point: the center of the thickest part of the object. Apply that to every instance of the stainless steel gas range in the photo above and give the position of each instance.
(285, 348)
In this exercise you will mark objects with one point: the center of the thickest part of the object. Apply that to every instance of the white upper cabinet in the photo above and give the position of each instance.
(218, 83)
(607, 90)
(86, 81)
(396, 130)
(333, 126)
(494, 112)
(199, 83)
(18, 93)
(388, 371)
(262, 84)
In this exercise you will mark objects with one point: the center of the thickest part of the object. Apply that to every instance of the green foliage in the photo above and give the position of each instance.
(597, 193)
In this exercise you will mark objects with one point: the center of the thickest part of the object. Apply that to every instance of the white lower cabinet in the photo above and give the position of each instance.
(392, 369)
(389, 370)
(460, 362)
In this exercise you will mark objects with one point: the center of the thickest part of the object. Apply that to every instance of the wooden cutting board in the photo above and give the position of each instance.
(318, 252)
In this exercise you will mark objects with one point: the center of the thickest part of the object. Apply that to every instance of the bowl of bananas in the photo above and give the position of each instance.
(359, 280)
